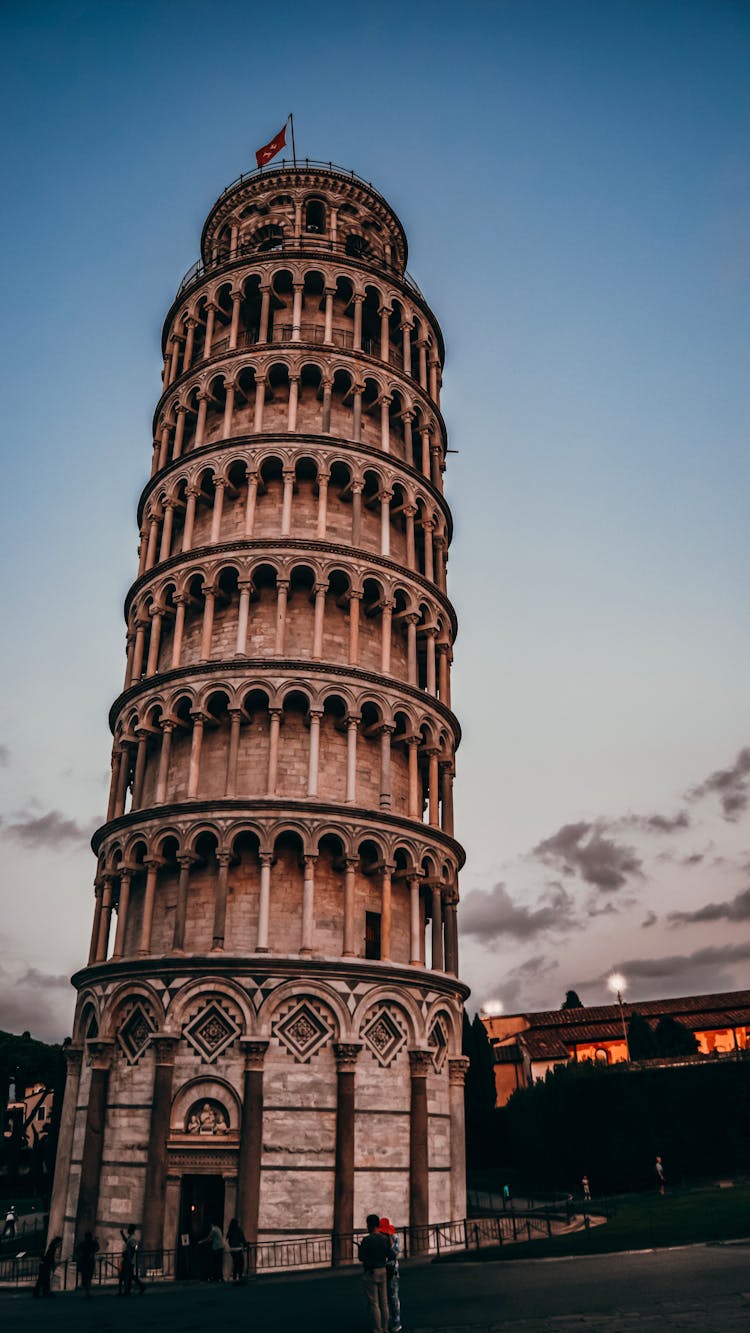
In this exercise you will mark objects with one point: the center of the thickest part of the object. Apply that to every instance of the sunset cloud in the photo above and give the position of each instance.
(584, 849)
(736, 909)
(731, 785)
(488, 916)
(51, 829)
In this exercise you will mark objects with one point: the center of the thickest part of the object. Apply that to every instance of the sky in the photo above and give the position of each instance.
(575, 185)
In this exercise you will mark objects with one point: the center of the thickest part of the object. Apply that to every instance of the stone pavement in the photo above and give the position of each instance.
(700, 1289)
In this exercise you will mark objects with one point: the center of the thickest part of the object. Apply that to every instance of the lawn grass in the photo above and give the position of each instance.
(642, 1221)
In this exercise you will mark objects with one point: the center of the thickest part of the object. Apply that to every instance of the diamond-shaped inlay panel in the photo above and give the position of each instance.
(438, 1043)
(303, 1030)
(134, 1034)
(384, 1036)
(211, 1031)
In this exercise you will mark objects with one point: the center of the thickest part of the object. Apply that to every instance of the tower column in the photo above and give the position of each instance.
(220, 904)
(457, 1069)
(419, 1186)
(343, 1187)
(152, 871)
(415, 922)
(251, 1140)
(351, 867)
(180, 919)
(99, 1056)
(165, 1049)
(264, 902)
(308, 906)
(73, 1061)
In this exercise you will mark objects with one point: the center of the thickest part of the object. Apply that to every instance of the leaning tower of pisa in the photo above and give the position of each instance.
(269, 1022)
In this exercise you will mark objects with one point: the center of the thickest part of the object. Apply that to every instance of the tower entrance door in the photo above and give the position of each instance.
(201, 1204)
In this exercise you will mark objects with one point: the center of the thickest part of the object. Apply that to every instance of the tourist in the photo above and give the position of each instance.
(10, 1223)
(586, 1189)
(86, 1252)
(375, 1250)
(216, 1241)
(129, 1264)
(43, 1285)
(659, 1169)
(386, 1228)
(236, 1242)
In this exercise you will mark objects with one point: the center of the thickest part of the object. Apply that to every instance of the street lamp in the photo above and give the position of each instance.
(617, 984)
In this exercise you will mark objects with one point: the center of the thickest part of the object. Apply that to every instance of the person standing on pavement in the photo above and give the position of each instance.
(216, 1242)
(659, 1169)
(236, 1242)
(43, 1285)
(387, 1228)
(586, 1189)
(129, 1264)
(86, 1252)
(375, 1250)
(10, 1223)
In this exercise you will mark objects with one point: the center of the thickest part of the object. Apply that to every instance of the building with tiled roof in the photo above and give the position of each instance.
(526, 1046)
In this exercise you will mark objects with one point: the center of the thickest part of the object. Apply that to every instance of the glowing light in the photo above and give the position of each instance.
(492, 1008)
(616, 983)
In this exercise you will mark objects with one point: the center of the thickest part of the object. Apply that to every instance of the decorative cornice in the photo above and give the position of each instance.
(420, 1063)
(310, 808)
(249, 966)
(99, 1052)
(346, 1055)
(305, 545)
(165, 1047)
(281, 666)
(334, 442)
(458, 1067)
(322, 350)
(255, 1052)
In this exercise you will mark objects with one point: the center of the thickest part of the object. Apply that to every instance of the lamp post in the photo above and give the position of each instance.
(617, 985)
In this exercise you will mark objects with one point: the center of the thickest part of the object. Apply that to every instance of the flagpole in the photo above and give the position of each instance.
(294, 149)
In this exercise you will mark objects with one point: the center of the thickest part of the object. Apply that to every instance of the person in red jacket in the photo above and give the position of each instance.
(375, 1250)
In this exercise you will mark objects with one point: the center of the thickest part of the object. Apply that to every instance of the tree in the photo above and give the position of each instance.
(480, 1092)
(24, 1062)
(641, 1041)
(572, 1000)
(672, 1039)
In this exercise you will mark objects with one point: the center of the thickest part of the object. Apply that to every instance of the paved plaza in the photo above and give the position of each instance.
(700, 1288)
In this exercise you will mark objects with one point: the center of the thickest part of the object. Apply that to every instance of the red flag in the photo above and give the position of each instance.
(270, 150)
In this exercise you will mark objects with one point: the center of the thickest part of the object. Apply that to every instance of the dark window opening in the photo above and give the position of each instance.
(315, 216)
(356, 246)
(372, 934)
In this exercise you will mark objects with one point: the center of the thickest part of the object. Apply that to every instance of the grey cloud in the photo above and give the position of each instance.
(489, 916)
(38, 1002)
(688, 968)
(731, 785)
(650, 919)
(738, 909)
(52, 829)
(655, 823)
(514, 988)
(4, 756)
(583, 849)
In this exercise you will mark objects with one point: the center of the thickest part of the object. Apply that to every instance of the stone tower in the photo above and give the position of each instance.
(269, 1023)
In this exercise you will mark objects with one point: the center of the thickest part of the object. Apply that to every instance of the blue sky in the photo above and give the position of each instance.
(575, 186)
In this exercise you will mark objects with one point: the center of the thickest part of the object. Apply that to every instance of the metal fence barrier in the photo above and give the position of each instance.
(325, 1250)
